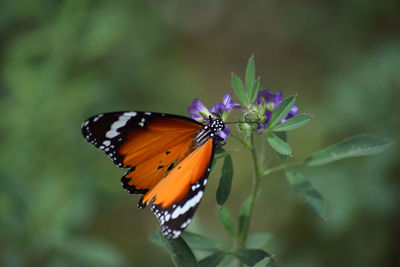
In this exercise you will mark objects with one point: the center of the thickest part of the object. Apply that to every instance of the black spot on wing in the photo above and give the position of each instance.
(175, 218)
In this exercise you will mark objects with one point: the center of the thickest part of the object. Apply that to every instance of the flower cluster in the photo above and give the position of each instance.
(267, 102)
(220, 110)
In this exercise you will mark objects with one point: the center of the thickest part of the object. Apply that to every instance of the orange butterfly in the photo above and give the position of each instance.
(169, 159)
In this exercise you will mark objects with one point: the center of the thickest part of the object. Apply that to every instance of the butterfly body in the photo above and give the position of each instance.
(169, 159)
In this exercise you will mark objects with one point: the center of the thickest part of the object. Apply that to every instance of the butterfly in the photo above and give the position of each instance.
(168, 158)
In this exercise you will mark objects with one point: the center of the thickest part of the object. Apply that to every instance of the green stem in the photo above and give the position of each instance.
(254, 191)
(281, 167)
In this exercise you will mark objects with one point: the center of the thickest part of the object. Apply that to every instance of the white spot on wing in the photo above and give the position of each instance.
(98, 117)
(147, 113)
(130, 114)
(121, 122)
(107, 143)
(188, 204)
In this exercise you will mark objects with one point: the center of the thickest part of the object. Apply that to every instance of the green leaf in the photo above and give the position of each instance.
(362, 145)
(254, 91)
(250, 256)
(278, 144)
(213, 259)
(314, 199)
(281, 111)
(267, 262)
(199, 242)
(244, 213)
(155, 239)
(181, 254)
(293, 123)
(226, 220)
(250, 78)
(257, 240)
(238, 87)
(225, 182)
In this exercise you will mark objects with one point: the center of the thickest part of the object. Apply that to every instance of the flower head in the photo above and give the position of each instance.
(220, 110)
(226, 106)
(262, 109)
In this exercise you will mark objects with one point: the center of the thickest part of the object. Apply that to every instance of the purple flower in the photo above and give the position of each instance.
(226, 106)
(200, 113)
(271, 101)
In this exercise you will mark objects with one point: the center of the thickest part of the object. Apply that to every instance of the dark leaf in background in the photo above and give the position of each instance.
(213, 259)
(202, 243)
(181, 254)
(225, 182)
(250, 256)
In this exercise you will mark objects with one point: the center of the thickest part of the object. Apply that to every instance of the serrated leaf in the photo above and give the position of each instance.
(250, 77)
(225, 182)
(254, 91)
(203, 243)
(250, 256)
(357, 146)
(257, 240)
(226, 220)
(213, 259)
(314, 199)
(281, 111)
(244, 213)
(293, 123)
(278, 144)
(238, 87)
(181, 254)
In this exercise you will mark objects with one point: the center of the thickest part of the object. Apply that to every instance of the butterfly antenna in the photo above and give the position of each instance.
(232, 122)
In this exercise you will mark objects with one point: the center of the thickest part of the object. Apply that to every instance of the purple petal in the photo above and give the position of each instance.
(224, 133)
(195, 108)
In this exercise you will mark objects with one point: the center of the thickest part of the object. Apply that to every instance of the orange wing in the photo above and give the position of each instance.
(150, 144)
(154, 151)
(176, 197)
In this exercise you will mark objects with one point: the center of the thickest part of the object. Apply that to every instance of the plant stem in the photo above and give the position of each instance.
(254, 191)
(281, 167)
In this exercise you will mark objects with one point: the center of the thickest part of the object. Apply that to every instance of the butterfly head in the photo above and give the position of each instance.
(214, 126)
(214, 129)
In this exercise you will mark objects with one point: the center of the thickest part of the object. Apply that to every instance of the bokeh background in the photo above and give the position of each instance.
(61, 202)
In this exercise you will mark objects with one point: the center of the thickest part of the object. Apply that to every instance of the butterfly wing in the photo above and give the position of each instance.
(176, 197)
(150, 144)
(165, 164)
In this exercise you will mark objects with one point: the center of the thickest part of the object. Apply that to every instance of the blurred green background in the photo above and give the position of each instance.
(61, 201)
